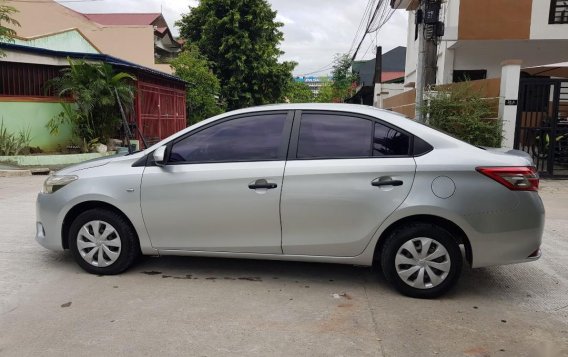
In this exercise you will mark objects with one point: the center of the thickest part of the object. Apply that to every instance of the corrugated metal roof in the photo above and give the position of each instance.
(91, 57)
(123, 18)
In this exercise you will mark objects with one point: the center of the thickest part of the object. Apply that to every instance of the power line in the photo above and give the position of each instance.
(367, 28)
(368, 8)
(368, 48)
(376, 21)
(318, 71)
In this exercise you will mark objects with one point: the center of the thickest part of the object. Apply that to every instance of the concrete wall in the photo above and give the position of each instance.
(495, 20)
(35, 115)
(540, 28)
(411, 51)
(404, 103)
(489, 54)
(386, 90)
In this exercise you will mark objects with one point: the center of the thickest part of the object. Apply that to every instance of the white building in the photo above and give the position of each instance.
(480, 34)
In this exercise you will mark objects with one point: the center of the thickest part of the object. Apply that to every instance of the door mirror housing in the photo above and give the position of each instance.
(159, 155)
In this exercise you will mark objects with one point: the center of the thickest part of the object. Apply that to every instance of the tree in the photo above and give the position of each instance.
(94, 88)
(7, 34)
(343, 82)
(298, 92)
(241, 40)
(325, 94)
(203, 86)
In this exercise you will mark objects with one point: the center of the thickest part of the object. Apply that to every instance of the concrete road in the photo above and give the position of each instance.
(221, 307)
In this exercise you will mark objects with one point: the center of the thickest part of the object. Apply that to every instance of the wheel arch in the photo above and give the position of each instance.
(85, 206)
(455, 230)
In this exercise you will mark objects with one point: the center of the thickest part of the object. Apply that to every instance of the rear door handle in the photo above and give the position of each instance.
(258, 184)
(387, 183)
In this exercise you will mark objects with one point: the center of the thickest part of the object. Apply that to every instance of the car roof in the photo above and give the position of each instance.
(353, 108)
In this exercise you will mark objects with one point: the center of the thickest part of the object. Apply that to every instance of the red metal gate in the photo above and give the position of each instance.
(160, 108)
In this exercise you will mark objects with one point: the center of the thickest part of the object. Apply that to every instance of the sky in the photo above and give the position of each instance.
(314, 30)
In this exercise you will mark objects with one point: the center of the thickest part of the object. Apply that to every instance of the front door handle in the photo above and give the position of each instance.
(387, 183)
(262, 183)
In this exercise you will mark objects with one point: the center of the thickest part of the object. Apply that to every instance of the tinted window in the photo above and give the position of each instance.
(389, 141)
(334, 136)
(244, 139)
(420, 146)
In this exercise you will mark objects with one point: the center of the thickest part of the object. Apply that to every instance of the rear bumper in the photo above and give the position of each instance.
(508, 237)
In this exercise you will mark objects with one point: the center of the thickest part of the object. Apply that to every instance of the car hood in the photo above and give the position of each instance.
(100, 161)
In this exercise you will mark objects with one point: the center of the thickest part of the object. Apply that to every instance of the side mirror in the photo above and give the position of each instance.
(159, 156)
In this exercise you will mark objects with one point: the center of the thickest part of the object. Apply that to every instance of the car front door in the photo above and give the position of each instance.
(344, 176)
(220, 187)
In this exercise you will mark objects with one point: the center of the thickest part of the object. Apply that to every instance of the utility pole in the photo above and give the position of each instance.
(377, 78)
(378, 65)
(428, 29)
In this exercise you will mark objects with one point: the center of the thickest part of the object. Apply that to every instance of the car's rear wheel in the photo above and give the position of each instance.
(103, 242)
(421, 260)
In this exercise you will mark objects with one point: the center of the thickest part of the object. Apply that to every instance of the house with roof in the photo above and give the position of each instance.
(392, 75)
(28, 102)
(144, 39)
(165, 45)
(512, 52)
(480, 34)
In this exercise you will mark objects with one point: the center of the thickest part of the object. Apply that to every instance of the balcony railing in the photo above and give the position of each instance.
(558, 12)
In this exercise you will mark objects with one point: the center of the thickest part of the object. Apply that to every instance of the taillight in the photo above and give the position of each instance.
(522, 178)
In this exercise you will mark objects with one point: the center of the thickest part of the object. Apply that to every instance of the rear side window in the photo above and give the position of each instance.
(334, 136)
(390, 142)
(255, 138)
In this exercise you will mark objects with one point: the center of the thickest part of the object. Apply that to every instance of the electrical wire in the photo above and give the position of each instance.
(329, 65)
(366, 13)
(382, 14)
(367, 28)
(318, 71)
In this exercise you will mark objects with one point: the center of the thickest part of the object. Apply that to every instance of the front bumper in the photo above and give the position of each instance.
(48, 224)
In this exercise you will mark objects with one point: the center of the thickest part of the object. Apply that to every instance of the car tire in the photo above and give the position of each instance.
(421, 260)
(103, 242)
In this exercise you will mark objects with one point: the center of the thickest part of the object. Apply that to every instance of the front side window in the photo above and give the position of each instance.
(334, 136)
(255, 138)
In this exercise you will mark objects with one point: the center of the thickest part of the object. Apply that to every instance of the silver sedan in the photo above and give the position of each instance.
(330, 183)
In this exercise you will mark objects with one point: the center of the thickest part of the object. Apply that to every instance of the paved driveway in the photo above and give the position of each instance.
(216, 307)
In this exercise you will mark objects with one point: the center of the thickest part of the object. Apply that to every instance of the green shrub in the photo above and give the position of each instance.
(461, 111)
(13, 143)
(94, 88)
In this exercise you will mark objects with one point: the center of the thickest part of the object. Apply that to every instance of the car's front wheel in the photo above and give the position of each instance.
(103, 242)
(421, 260)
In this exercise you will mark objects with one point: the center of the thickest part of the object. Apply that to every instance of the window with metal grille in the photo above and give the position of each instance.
(26, 79)
(558, 12)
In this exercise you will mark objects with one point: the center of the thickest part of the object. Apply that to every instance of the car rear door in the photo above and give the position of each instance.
(344, 176)
(220, 189)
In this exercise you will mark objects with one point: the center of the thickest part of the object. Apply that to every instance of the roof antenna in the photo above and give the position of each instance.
(161, 8)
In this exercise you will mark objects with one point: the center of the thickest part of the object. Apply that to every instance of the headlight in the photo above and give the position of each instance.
(54, 183)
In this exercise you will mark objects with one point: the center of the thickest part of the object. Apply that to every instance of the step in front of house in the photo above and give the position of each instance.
(49, 161)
